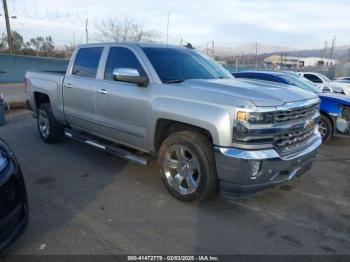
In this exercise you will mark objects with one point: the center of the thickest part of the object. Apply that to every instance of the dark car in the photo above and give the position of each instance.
(334, 109)
(13, 197)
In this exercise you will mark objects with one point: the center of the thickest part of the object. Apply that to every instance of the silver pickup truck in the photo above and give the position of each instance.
(208, 130)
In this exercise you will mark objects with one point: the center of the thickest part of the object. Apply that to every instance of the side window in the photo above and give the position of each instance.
(121, 57)
(86, 62)
(313, 78)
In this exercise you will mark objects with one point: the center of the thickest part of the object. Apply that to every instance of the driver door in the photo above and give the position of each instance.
(122, 108)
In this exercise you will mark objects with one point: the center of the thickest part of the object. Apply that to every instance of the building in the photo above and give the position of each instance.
(316, 61)
(277, 61)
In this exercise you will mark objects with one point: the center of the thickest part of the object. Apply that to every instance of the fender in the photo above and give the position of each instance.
(330, 108)
(217, 120)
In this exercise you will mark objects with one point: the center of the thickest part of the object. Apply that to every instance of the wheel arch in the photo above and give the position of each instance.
(166, 127)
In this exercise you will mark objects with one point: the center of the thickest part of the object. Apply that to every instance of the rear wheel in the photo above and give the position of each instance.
(187, 166)
(325, 128)
(50, 130)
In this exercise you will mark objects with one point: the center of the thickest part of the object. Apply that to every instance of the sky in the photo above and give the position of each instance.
(299, 24)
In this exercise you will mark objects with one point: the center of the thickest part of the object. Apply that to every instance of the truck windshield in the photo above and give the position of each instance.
(299, 82)
(175, 65)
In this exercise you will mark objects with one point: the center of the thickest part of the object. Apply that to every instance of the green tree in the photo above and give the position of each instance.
(17, 42)
(41, 45)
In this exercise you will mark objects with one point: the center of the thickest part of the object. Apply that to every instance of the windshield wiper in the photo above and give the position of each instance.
(175, 81)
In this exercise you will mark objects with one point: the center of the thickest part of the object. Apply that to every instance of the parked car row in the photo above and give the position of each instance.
(325, 84)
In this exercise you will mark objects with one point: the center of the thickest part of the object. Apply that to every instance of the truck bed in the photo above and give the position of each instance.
(48, 83)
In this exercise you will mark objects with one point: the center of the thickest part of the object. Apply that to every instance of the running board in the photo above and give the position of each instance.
(113, 150)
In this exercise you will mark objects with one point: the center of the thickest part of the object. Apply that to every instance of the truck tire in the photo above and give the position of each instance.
(50, 130)
(325, 128)
(187, 166)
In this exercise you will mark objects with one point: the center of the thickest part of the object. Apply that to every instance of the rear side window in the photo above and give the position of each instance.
(313, 78)
(121, 57)
(86, 62)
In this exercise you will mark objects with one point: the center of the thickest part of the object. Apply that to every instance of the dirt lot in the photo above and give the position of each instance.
(83, 201)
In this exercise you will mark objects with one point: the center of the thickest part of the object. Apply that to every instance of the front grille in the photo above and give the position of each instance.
(294, 140)
(296, 114)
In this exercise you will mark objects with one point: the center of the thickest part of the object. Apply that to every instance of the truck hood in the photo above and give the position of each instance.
(341, 99)
(260, 93)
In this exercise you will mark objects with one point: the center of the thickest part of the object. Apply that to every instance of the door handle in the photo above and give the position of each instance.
(68, 85)
(102, 91)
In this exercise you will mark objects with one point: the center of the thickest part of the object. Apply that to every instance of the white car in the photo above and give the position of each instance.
(323, 82)
(345, 78)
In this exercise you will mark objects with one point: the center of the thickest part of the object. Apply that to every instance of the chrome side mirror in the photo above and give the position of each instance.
(130, 75)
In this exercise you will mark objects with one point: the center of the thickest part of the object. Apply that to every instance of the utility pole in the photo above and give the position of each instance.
(167, 29)
(236, 64)
(74, 39)
(333, 46)
(8, 28)
(87, 30)
(213, 48)
(256, 55)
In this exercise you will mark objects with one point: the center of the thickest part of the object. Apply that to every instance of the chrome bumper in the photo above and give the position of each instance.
(235, 168)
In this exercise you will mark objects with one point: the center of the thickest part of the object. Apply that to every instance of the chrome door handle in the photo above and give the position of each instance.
(102, 91)
(68, 85)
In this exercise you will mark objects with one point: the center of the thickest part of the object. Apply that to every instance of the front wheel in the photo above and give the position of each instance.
(325, 128)
(187, 166)
(50, 130)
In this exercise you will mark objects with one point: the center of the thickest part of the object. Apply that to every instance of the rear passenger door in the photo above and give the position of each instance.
(122, 108)
(79, 88)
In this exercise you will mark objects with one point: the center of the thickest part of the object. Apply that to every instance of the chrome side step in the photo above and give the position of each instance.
(116, 151)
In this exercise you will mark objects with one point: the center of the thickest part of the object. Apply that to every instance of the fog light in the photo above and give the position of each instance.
(255, 168)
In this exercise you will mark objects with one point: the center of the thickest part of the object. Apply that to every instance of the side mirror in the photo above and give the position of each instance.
(130, 75)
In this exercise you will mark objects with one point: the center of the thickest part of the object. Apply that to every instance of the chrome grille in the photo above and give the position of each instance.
(295, 140)
(296, 114)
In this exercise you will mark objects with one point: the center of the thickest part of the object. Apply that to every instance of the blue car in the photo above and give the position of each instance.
(335, 108)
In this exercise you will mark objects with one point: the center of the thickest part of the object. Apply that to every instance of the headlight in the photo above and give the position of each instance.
(250, 125)
(255, 117)
(339, 90)
(327, 89)
(4, 156)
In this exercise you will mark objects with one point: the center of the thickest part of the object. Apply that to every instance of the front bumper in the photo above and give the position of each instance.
(13, 203)
(235, 168)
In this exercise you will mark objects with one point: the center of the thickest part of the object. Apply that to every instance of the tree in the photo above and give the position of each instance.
(125, 30)
(17, 42)
(41, 45)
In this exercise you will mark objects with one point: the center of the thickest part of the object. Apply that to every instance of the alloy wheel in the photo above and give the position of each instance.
(181, 169)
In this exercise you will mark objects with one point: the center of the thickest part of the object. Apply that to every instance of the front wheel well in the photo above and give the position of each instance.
(165, 128)
(40, 98)
(329, 118)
